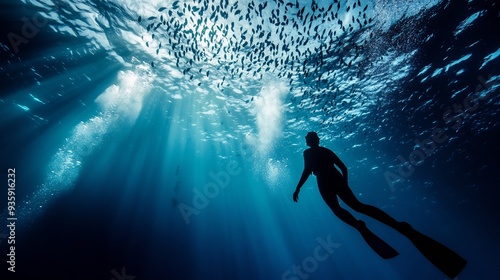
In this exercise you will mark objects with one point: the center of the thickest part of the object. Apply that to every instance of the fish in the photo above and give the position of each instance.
(259, 36)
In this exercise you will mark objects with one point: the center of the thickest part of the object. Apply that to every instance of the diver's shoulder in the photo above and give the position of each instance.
(317, 149)
(310, 151)
(325, 149)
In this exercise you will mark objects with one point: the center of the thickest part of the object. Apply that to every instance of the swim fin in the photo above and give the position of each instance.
(378, 245)
(445, 259)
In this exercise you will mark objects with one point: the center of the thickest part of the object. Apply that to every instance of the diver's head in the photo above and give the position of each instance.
(312, 139)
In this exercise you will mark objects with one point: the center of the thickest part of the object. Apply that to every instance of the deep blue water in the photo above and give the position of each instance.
(179, 161)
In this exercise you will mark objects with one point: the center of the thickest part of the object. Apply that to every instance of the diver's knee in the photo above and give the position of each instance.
(359, 207)
(335, 208)
(338, 211)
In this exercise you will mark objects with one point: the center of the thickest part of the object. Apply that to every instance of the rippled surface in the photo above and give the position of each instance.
(117, 114)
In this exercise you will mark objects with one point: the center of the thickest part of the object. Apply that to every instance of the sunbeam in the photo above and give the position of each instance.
(120, 104)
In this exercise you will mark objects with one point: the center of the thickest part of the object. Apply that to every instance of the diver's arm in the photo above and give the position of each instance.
(303, 178)
(341, 165)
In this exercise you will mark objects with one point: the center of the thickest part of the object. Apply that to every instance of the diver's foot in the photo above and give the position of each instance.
(378, 245)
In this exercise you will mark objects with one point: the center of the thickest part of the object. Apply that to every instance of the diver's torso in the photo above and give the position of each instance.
(321, 161)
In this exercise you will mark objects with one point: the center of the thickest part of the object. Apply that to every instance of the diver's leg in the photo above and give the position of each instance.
(332, 202)
(438, 254)
(378, 245)
(346, 194)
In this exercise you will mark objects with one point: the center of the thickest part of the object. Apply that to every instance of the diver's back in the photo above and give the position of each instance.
(321, 160)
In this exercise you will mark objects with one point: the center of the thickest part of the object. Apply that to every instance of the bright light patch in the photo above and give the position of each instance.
(268, 111)
(275, 172)
(389, 12)
(124, 99)
(120, 103)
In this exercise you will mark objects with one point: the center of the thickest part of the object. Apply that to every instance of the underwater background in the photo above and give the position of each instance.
(163, 139)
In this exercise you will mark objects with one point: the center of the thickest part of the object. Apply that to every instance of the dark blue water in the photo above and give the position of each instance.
(179, 161)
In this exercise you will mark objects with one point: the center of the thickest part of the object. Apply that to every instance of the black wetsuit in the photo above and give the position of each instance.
(321, 162)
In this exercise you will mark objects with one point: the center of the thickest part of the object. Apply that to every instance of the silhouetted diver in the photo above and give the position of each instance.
(331, 183)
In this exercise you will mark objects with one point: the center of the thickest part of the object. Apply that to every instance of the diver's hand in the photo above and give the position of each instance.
(296, 195)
